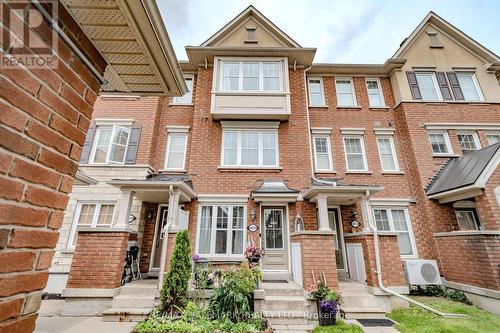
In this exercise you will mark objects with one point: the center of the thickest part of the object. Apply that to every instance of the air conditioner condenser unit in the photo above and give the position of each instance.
(422, 272)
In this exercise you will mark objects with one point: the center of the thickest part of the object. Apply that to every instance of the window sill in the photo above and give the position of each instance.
(380, 108)
(180, 104)
(225, 259)
(445, 155)
(355, 107)
(172, 171)
(393, 173)
(448, 102)
(319, 106)
(248, 169)
(251, 93)
(354, 172)
(326, 171)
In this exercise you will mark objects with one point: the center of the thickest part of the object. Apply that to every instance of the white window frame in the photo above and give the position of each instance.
(475, 137)
(391, 227)
(490, 134)
(329, 152)
(435, 83)
(229, 229)
(95, 218)
(187, 98)
(380, 91)
(353, 91)
(167, 152)
(476, 85)
(393, 151)
(322, 89)
(238, 164)
(240, 63)
(365, 161)
(446, 139)
(95, 140)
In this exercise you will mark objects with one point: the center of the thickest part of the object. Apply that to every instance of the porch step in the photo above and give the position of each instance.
(346, 286)
(363, 313)
(293, 328)
(283, 276)
(131, 301)
(126, 314)
(359, 302)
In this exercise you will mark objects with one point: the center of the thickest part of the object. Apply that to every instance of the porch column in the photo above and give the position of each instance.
(173, 208)
(124, 212)
(366, 210)
(324, 225)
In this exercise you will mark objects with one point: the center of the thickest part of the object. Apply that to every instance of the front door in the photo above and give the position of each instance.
(336, 225)
(158, 238)
(275, 240)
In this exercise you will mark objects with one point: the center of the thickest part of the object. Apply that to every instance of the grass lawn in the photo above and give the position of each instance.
(415, 319)
(340, 327)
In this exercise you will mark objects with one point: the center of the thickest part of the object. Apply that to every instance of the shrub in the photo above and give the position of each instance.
(174, 292)
(437, 291)
(457, 296)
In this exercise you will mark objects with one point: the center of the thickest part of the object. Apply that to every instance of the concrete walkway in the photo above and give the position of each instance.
(80, 325)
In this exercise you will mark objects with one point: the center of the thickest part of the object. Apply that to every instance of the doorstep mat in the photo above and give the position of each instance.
(375, 322)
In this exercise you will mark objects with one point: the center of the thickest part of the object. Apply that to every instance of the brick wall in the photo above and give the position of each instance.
(147, 229)
(44, 116)
(470, 259)
(98, 260)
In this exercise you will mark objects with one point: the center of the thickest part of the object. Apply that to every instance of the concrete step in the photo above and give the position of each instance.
(293, 328)
(363, 313)
(284, 292)
(288, 321)
(284, 303)
(363, 300)
(125, 314)
(132, 301)
(352, 286)
(277, 276)
(139, 289)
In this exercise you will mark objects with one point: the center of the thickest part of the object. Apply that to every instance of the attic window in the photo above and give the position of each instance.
(251, 35)
(435, 43)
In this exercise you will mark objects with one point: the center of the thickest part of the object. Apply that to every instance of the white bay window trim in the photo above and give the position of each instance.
(111, 145)
(383, 155)
(98, 205)
(447, 142)
(277, 77)
(321, 153)
(391, 226)
(362, 153)
(212, 229)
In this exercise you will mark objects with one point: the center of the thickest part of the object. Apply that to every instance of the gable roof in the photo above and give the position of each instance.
(454, 32)
(471, 170)
(235, 23)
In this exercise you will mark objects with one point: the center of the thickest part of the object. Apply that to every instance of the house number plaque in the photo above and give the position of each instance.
(253, 228)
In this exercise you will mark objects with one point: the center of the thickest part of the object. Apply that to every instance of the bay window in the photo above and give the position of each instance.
(221, 230)
(251, 76)
(110, 144)
(93, 215)
(250, 148)
(397, 220)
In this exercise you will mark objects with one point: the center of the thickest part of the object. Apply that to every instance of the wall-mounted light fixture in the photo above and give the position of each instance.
(354, 219)
(149, 215)
(253, 215)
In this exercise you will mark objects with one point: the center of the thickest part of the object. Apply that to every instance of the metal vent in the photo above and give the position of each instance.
(429, 272)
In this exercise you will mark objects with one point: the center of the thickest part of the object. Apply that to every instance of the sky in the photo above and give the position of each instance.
(348, 31)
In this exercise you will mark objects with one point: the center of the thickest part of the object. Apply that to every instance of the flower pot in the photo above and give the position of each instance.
(326, 318)
(254, 259)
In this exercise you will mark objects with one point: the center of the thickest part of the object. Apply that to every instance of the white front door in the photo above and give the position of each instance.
(158, 238)
(275, 239)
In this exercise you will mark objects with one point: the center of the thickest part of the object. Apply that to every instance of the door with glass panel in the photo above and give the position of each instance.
(338, 241)
(161, 221)
(274, 237)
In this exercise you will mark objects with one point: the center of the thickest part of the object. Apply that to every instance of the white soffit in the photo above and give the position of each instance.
(131, 37)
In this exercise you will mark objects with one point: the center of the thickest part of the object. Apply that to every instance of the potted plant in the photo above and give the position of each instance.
(253, 254)
(327, 302)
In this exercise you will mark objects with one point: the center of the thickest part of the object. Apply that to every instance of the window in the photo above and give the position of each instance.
(387, 153)
(221, 230)
(440, 143)
(187, 98)
(91, 214)
(428, 86)
(345, 92)
(375, 94)
(316, 92)
(176, 151)
(322, 153)
(493, 138)
(250, 148)
(468, 142)
(251, 76)
(110, 144)
(467, 218)
(355, 153)
(469, 86)
(397, 220)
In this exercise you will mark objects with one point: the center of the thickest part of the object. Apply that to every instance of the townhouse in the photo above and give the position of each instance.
(346, 171)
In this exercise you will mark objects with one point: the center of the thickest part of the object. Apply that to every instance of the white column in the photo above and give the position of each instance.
(324, 224)
(366, 210)
(173, 207)
(125, 205)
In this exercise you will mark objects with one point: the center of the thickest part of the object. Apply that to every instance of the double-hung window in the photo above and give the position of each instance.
(187, 98)
(468, 141)
(387, 153)
(355, 155)
(250, 148)
(316, 91)
(176, 151)
(110, 144)
(493, 138)
(251, 76)
(346, 95)
(428, 86)
(93, 215)
(467, 218)
(375, 94)
(322, 153)
(469, 86)
(440, 143)
(397, 220)
(221, 230)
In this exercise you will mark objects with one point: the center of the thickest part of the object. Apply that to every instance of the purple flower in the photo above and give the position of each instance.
(328, 307)
(196, 258)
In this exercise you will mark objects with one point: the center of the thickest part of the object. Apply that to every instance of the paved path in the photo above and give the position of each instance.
(80, 325)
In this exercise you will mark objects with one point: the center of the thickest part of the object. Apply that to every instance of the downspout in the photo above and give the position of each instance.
(379, 272)
(163, 258)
